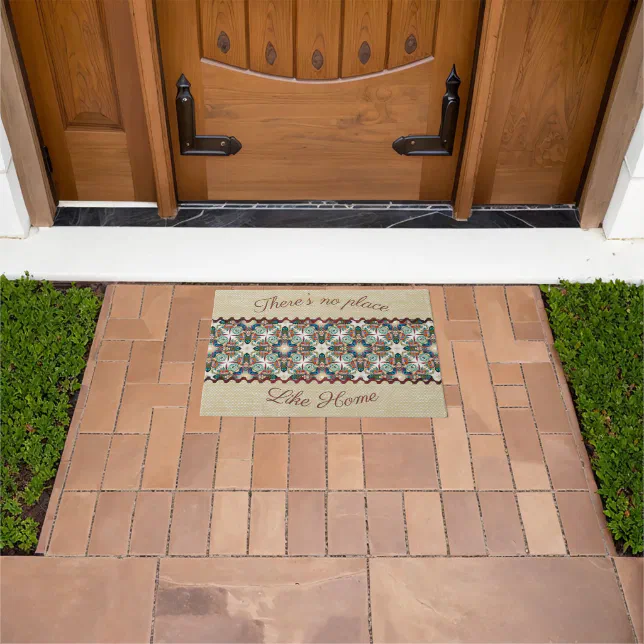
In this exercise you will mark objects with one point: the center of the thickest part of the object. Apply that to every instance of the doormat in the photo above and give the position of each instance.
(321, 353)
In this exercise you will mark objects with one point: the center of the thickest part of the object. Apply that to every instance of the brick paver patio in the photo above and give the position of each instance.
(484, 526)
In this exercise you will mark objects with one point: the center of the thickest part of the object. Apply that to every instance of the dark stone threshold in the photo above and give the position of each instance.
(324, 214)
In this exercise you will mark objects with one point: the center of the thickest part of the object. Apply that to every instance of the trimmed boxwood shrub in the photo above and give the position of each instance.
(598, 330)
(44, 336)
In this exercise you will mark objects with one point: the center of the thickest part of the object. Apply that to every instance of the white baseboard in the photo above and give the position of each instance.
(288, 255)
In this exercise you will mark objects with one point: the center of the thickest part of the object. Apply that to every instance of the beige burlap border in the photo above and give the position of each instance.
(366, 400)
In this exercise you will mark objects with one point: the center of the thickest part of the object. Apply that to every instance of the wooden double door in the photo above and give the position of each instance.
(316, 92)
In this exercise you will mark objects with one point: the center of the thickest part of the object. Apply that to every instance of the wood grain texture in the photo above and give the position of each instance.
(79, 53)
(155, 115)
(551, 70)
(338, 135)
(365, 21)
(43, 93)
(438, 173)
(101, 164)
(412, 22)
(270, 28)
(129, 86)
(21, 132)
(623, 110)
(488, 50)
(223, 31)
(179, 41)
(318, 39)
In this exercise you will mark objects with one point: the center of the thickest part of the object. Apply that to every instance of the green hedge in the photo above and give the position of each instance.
(44, 337)
(598, 334)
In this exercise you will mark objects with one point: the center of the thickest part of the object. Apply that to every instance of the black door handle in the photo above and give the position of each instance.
(191, 143)
(442, 144)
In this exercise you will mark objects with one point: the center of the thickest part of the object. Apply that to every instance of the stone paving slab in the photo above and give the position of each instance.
(497, 600)
(262, 600)
(50, 599)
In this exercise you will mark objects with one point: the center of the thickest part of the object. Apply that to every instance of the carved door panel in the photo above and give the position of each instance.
(81, 68)
(316, 91)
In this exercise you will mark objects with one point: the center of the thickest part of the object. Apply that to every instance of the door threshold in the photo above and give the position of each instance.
(321, 214)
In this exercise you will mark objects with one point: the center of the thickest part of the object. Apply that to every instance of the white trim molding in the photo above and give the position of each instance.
(324, 256)
(625, 215)
(14, 218)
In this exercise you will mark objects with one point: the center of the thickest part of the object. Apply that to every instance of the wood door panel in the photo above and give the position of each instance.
(101, 164)
(364, 46)
(318, 39)
(223, 31)
(270, 29)
(82, 71)
(552, 71)
(179, 40)
(78, 50)
(412, 30)
(316, 140)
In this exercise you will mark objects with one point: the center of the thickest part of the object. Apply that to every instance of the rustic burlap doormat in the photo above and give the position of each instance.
(321, 353)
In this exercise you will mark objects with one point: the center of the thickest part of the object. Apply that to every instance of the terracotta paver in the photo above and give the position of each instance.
(463, 521)
(307, 461)
(483, 526)
(347, 524)
(270, 461)
(229, 531)
(267, 523)
(306, 523)
(425, 530)
(151, 523)
(190, 522)
(394, 462)
(125, 462)
(112, 520)
(386, 523)
(345, 462)
(197, 468)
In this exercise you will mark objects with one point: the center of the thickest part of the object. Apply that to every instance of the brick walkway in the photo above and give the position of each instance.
(484, 526)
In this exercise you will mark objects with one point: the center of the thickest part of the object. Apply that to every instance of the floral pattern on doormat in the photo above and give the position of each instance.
(316, 350)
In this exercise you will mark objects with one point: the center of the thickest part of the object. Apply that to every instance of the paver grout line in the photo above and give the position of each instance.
(320, 489)
(332, 556)
(623, 595)
(369, 614)
(404, 516)
(498, 414)
(543, 456)
(326, 485)
(288, 487)
(365, 492)
(212, 500)
(250, 483)
(154, 601)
